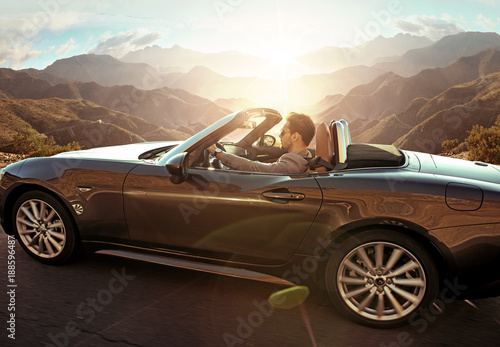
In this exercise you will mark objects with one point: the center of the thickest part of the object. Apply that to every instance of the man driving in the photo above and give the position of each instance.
(295, 136)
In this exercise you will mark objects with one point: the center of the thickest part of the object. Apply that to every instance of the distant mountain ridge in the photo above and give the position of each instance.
(442, 52)
(179, 59)
(232, 64)
(330, 59)
(105, 70)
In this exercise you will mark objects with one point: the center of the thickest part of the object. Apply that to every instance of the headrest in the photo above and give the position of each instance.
(324, 146)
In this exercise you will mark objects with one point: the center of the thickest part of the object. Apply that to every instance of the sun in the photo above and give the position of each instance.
(280, 56)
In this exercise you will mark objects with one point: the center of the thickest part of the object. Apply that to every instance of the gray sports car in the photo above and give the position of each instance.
(381, 231)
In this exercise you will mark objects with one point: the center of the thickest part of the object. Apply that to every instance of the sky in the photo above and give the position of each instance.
(35, 33)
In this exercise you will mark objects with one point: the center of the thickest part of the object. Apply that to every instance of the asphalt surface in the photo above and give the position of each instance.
(102, 300)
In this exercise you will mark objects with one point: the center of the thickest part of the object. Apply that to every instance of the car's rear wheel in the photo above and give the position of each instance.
(380, 278)
(44, 228)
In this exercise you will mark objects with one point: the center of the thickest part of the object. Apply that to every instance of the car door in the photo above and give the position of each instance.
(223, 214)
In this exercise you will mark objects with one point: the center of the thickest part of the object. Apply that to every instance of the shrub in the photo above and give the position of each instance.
(35, 145)
(448, 145)
(484, 144)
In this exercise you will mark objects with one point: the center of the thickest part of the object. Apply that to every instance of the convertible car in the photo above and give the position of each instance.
(381, 232)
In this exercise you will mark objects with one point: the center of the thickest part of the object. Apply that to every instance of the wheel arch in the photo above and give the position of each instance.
(337, 237)
(15, 193)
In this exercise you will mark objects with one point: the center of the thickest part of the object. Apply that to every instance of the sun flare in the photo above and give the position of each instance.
(280, 56)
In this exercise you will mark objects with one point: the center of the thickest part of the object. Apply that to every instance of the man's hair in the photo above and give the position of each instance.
(302, 124)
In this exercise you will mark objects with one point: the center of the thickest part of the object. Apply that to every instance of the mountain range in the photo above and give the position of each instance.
(449, 113)
(230, 63)
(442, 52)
(165, 106)
(404, 87)
(390, 93)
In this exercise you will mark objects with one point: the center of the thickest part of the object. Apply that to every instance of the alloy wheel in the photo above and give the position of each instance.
(381, 281)
(40, 228)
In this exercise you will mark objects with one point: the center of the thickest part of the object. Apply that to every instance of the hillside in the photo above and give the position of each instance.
(390, 93)
(425, 123)
(452, 113)
(77, 120)
(167, 107)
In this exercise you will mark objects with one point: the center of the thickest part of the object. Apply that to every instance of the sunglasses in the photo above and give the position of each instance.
(283, 132)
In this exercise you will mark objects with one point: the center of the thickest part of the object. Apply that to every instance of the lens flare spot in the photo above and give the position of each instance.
(289, 298)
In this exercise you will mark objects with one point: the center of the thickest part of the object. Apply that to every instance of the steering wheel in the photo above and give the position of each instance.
(216, 163)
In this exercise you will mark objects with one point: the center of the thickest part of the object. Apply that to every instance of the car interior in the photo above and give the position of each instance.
(333, 150)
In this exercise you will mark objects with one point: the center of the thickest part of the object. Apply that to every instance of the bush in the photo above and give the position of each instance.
(35, 145)
(484, 144)
(449, 145)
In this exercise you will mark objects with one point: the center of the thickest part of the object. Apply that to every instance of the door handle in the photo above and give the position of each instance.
(284, 195)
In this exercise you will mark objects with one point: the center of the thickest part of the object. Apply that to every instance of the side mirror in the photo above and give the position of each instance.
(177, 167)
(268, 140)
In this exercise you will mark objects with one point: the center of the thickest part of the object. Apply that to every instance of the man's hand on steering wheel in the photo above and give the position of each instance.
(213, 147)
(218, 151)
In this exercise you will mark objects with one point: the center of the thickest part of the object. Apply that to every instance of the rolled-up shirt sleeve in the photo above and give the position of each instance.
(287, 163)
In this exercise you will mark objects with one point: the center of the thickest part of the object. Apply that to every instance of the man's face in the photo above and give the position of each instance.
(285, 138)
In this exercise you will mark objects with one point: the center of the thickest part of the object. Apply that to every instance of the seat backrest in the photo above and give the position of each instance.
(347, 132)
(324, 145)
(339, 144)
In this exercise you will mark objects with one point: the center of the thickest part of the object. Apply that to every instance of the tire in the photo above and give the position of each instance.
(44, 228)
(380, 278)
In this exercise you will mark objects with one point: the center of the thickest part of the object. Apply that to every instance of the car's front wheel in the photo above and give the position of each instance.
(380, 278)
(44, 228)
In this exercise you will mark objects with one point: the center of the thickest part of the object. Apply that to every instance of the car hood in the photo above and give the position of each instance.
(446, 166)
(123, 152)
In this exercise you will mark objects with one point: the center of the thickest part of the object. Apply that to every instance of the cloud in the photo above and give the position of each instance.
(18, 32)
(120, 44)
(432, 27)
(14, 53)
(66, 47)
(485, 22)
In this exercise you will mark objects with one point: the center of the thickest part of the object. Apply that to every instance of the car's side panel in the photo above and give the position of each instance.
(90, 189)
(410, 200)
(221, 214)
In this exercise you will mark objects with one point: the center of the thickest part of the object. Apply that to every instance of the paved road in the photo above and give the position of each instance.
(101, 300)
